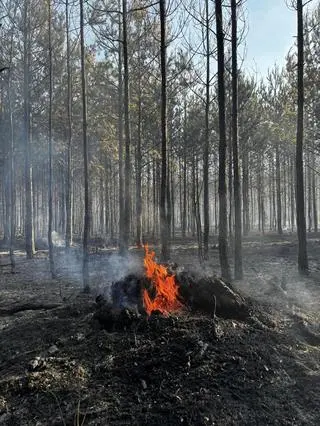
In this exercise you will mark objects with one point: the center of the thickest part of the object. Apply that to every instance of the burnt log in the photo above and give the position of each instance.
(11, 310)
(127, 293)
(213, 296)
(112, 319)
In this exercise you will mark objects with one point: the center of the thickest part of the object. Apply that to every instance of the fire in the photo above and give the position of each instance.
(164, 285)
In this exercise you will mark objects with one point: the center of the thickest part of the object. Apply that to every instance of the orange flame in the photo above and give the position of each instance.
(165, 287)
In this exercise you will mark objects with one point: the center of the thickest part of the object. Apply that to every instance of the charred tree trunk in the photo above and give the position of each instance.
(50, 207)
(278, 186)
(206, 144)
(223, 218)
(138, 159)
(139, 170)
(29, 229)
(184, 206)
(245, 192)
(86, 226)
(164, 231)
(314, 192)
(238, 270)
(127, 197)
(12, 203)
(301, 221)
(69, 139)
(120, 139)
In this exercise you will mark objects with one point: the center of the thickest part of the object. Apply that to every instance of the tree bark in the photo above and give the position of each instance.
(69, 139)
(314, 191)
(164, 231)
(50, 207)
(29, 228)
(138, 173)
(120, 139)
(223, 218)
(127, 197)
(206, 144)
(301, 221)
(238, 269)
(278, 186)
(86, 226)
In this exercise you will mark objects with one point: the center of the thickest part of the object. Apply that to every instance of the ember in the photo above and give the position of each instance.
(164, 287)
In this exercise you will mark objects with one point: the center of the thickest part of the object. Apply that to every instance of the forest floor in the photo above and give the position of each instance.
(58, 368)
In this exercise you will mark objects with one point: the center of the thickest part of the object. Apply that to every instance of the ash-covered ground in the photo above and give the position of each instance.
(58, 367)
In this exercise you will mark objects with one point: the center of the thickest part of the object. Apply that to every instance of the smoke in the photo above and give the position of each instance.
(104, 268)
(57, 240)
(113, 267)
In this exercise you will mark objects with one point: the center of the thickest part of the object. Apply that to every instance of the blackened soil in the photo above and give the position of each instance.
(58, 367)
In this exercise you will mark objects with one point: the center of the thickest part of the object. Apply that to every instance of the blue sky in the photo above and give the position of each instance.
(272, 27)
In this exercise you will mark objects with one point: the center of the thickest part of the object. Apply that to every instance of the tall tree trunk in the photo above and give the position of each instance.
(29, 229)
(230, 187)
(314, 191)
(245, 192)
(120, 138)
(309, 192)
(301, 221)
(184, 206)
(86, 226)
(139, 164)
(164, 231)
(11, 182)
(238, 269)
(69, 139)
(50, 207)
(172, 199)
(223, 218)
(127, 198)
(278, 186)
(206, 144)
(292, 193)
(12, 195)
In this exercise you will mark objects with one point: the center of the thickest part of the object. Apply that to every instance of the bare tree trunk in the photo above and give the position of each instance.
(245, 192)
(11, 184)
(50, 243)
(139, 165)
(309, 192)
(301, 221)
(278, 186)
(184, 206)
(238, 269)
(164, 231)
(206, 144)
(29, 229)
(127, 198)
(120, 139)
(223, 218)
(314, 191)
(292, 193)
(230, 187)
(12, 195)
(172, 199)
(69, 139)
(86, 226)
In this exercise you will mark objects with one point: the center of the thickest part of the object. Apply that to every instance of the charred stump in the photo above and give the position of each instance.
(212, 296)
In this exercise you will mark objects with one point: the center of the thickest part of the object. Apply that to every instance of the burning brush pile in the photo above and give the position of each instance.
(164, 292)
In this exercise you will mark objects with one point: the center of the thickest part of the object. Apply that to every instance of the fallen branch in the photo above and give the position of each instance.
(28, 307)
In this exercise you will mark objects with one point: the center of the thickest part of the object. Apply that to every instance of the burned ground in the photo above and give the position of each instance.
(58, 366)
